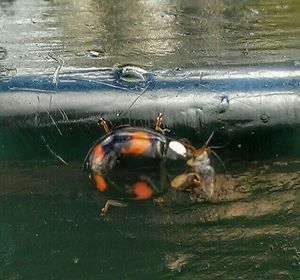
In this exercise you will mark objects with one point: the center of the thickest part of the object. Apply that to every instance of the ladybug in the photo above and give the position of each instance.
(132, 163)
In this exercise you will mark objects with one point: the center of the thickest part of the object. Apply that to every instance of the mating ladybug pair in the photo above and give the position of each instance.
(133, 163)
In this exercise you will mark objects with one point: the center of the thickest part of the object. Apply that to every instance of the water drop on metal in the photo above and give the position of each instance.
(224, 104)
(264, 118)
(3, 53)
(132, 74)
(92, 54)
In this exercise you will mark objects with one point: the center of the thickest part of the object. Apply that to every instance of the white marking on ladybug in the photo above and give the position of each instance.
(178, 148)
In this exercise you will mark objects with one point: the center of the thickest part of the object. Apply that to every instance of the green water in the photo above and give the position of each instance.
(50, 222)
(51, 228)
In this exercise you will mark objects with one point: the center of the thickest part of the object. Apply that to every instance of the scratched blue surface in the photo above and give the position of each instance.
(175, 83)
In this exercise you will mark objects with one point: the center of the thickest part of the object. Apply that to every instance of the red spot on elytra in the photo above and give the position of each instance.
(139, 143)
(98, 154)
(100, 183)
(142, 190)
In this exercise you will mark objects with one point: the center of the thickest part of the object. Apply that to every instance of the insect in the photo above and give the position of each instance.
(132, 163)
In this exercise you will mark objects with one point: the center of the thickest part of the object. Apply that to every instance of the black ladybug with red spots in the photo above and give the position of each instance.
(133, 163)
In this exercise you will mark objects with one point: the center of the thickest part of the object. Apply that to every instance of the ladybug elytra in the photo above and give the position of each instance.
(133, 163)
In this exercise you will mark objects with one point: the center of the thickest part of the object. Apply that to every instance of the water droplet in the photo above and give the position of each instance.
(224, 104)
(264, 118)
(3, 53)
(92, 53)
(132, 74)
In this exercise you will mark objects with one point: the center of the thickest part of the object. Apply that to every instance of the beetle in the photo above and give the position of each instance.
(133, 163)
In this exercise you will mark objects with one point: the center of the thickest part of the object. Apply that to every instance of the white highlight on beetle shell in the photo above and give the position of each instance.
(107, 140)
(178, 148)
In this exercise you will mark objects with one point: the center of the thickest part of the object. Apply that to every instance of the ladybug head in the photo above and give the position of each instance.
(202, 152)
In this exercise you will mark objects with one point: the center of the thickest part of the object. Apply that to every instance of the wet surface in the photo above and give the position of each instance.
(162, 34)
(50, 221)
(250, 230)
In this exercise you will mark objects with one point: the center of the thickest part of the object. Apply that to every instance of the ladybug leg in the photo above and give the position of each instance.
(159, 200)
(112, 202)
(185, 180)
(196, 182)
(158, 121)
(104, 125)
(158, 124)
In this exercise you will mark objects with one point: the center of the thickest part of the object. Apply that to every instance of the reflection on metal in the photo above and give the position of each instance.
(227, 99)
(168, 34)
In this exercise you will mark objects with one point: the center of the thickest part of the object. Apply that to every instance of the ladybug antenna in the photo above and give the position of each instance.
(218, 147)
(209, 138)
(198, 151)
(221, 162)
(214, 153)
